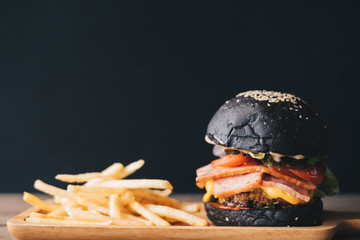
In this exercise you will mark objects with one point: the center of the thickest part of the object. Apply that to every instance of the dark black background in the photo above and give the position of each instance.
(86, 83)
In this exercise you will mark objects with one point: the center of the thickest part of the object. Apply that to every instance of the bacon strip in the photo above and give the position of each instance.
(294, 190)
(224, 187)
(208, 173)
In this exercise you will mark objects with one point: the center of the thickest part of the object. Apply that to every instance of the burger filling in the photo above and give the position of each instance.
(256, 180)
(256, 198)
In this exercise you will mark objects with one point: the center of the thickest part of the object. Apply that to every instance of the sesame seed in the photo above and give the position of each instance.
(270, 96)
(297, 218)
(227, 102)
(300, 116)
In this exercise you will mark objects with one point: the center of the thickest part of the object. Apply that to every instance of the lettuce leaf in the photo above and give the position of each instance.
(314, 160)
(265, 158)
(329, 185)
(257, 155)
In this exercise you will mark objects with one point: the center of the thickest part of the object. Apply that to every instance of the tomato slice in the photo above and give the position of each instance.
(311, 173)
(285, 171)
(233, 160)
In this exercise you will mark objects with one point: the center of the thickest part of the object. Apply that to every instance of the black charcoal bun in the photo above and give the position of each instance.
(307, 215)
(266, 121)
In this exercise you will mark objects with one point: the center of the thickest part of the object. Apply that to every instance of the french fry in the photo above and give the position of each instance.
(52, 190)
(57, 199)
(82, 215)
(95, 181)
(116, 210)
(176, 214)
(152, 197)
(105, 191)
(131, 168)
(37, 202)
(55, 191)
(78, 178)
(158, 221)
(164, 193)
(171, 220)
(125, 209)
(126, 198)
(139, 219)
(92, 206)
(69, 202)
(114, 171)
(190, 207)
(98, 199)
(106, 199)
(114, 207)
(137, 183)
(40, 215)
(59, 212)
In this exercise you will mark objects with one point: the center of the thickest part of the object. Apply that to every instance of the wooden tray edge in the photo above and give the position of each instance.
(20, 229)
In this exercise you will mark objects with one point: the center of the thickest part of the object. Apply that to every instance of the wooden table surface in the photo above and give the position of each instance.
(12, 204)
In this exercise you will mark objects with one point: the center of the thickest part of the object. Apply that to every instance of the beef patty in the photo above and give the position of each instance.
(257, 198)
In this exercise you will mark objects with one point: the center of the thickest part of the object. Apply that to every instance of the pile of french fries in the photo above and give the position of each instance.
(105, 198)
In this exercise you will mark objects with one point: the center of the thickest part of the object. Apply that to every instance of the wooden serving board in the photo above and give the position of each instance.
(339, 223)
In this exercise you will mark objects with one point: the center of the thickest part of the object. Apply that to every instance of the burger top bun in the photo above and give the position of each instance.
(267, 121)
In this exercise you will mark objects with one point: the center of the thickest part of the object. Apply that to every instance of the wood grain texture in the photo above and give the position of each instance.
(334, 222)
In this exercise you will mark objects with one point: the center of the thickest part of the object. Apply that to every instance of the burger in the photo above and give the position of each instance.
(271, 167)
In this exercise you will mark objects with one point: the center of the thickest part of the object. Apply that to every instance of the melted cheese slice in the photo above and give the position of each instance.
(209, 186)
(273, 192)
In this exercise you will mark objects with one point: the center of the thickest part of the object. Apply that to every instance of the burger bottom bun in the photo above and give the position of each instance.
(309, 215)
